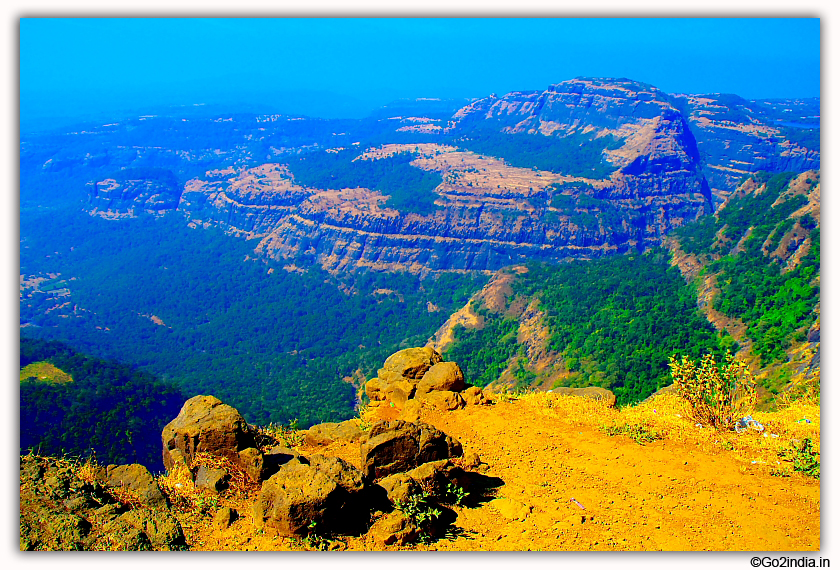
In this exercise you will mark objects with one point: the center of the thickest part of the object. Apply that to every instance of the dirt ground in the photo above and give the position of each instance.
(568, 485)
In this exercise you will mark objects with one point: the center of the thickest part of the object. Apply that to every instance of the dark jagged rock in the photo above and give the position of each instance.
(325, 496)
(137, 480)
(214, 480)
(62, 510)
(398, 446)
(205, 424)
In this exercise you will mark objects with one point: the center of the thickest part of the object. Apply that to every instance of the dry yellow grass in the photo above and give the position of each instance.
(668, 416)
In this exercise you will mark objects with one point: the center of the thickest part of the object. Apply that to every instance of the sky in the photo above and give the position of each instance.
(348, 66)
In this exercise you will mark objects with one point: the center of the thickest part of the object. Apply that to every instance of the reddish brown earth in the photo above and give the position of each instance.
(697, 489)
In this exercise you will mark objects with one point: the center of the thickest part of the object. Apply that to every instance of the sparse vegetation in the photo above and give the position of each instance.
(719, 396)
(420, 510)
(577, 154)
(640, 433)
(457, 493)
(803, 456)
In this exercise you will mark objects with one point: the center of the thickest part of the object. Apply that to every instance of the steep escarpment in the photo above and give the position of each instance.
(738, 137)
(513, 188)
(756, 267)
(585, 168)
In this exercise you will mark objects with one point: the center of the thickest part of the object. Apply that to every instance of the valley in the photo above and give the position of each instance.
(268, 258)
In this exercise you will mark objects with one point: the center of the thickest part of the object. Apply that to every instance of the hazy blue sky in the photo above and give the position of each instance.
(74, 66)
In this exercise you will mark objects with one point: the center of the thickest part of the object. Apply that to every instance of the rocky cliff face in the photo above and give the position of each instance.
(490, 214)
(655, 156)
(577, 105)
(738, 137)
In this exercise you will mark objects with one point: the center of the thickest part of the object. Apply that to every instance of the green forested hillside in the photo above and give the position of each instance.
(757, 286)
(109, 409)
(274, 344)
(614, 322)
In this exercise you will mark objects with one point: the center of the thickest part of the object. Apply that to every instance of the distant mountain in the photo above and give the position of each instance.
(220, 224)
(746, 279)
(585, 168)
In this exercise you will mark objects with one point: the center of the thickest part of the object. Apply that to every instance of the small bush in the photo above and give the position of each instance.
(805, 459)
(639, 433)
(718, 395)
(421, 511)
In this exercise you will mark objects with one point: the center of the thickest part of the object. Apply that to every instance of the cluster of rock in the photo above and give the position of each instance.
(402, 463)
(111, 508)
(302, 495)
(414, 377)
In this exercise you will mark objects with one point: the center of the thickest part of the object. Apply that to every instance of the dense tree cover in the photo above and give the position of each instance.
(615, 321)
(410, 189)
(588, 212)
(483, 354)
(777, 306)
(275, 346)
(110, 409)
(576, 155)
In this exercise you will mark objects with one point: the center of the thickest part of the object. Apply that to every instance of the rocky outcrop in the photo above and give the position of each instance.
(135, 191)
(398, 446)
(414, 377)
(329, 432)
(489, 214)
(323, 496)
(68, 506)
(136, 480)
(207, 425)
(738, 136)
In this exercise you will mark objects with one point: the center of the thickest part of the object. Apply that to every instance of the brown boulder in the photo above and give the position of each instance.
(412, 362)
(205, 424)
(326, 494)
(137, 480)
(473, 396)
(327, 433)
(399, 392)
(591, 392)
(373, 390)
(442, 376)
(395, 528)
(399, 487)
(398, 446)
(435, 477)
(212, 479)
(443, 400)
